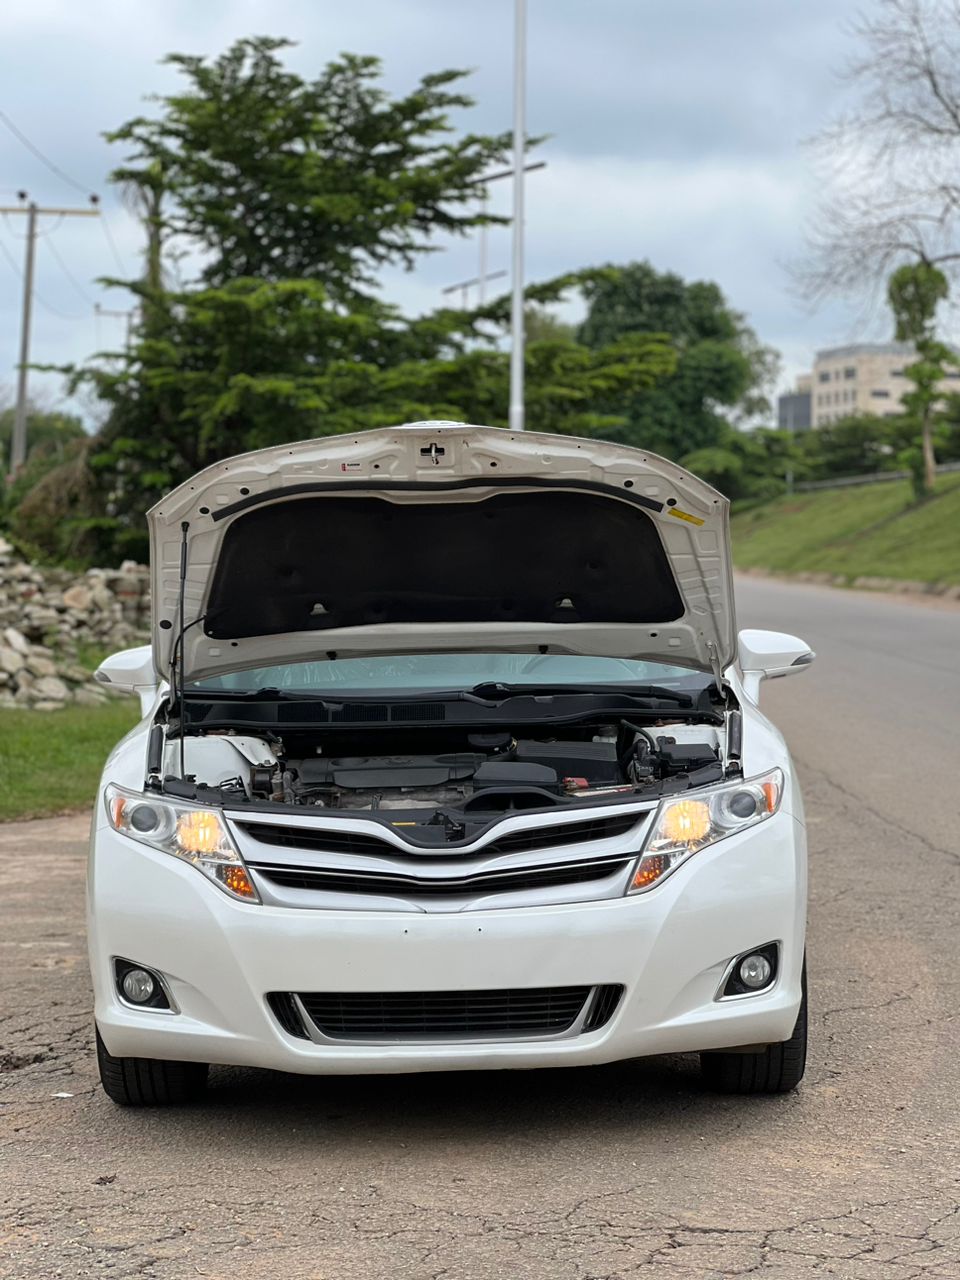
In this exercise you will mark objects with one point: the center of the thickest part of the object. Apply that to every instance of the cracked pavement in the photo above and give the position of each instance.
(591, 1174)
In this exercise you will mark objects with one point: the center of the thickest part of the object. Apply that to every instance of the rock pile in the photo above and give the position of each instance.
(52, 622)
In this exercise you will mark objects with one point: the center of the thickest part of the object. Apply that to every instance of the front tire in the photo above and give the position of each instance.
(776, 1069)
(149, 1082)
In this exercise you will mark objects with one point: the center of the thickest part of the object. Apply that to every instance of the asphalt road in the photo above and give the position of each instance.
(594, 1174)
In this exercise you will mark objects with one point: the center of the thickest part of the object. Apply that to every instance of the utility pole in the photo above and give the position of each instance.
(519, 147)
(127, 315)
(18, 442)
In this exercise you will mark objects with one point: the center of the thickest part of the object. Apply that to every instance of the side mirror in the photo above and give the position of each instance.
(131, 671)
(766, 655)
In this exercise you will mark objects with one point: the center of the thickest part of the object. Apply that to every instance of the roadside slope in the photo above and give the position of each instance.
(870, 530)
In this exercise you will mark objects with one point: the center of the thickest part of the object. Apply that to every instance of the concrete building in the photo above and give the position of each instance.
(793, 408)
(864, 378)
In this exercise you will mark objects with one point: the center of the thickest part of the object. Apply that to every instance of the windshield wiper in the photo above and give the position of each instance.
(267, 694)
(493, 690)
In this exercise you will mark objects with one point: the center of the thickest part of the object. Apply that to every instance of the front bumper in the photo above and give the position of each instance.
(668, 948)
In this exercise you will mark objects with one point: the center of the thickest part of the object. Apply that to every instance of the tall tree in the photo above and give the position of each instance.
(896, 196)
(273, 176)
(915, 292)
(722, 370)
(256, 363)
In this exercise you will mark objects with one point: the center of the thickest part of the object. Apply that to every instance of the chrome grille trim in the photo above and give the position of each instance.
(383, 872)
(502, 880)
(327, 839)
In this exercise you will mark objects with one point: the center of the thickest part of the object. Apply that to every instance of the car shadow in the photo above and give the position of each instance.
(472, 1108)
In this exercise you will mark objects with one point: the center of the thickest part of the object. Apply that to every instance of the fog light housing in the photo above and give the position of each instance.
(752, 972)
(755, 971)
(138, 986)
(142, 987)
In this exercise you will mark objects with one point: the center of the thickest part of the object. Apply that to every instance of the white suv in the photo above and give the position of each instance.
(450, 759)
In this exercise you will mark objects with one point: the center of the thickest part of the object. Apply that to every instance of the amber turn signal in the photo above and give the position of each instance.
(237, 881)
(650, 869)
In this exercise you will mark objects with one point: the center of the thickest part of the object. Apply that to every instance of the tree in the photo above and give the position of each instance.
(915, 292)
(749, 464)
(257, 363)
(720, 363)
(541, 325)
(275, 177)
(896, 196)
(52, 438)
(852, 446)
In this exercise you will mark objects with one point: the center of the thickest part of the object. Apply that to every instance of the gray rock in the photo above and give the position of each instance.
(15, 639)
(38, 665)
(78, 597)
(87, 697)
(11, 661)
(48, 706)
(102, 597)
(51, 688)
(76, 675)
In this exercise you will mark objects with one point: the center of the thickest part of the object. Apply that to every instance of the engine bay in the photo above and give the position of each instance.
(452, 778)
(488, 771)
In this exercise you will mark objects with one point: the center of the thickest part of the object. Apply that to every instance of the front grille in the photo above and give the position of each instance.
(605, 1001)
(445, 1015)
(391, 883)
(325, 840)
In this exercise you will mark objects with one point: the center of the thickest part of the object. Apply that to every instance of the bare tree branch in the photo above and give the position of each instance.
(892, 165)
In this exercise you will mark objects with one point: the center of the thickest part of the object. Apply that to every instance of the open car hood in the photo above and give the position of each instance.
(439, 537)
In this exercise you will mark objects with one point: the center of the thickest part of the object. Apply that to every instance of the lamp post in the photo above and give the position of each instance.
(519, 144)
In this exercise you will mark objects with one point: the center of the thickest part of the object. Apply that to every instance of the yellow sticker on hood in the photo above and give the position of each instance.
(683, 515)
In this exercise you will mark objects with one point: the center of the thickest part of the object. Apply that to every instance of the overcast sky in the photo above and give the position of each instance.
(676, 133)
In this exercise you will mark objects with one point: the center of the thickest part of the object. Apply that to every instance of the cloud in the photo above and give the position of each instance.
(674, 134)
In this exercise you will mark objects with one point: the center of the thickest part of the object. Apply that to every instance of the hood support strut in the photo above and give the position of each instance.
(180, 682)
(715, 666)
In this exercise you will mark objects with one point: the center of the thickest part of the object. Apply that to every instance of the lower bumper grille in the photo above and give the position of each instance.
(449, 1015)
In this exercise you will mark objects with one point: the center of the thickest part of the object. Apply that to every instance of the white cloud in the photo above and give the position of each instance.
(675, 132)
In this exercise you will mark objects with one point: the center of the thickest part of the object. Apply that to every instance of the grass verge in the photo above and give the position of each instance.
(50, 761)
(871, 530)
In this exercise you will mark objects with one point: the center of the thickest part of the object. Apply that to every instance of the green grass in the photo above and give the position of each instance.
(870, 530)
(50, 761)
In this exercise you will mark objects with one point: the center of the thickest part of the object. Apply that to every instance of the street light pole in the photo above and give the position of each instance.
(482, 292)
(519, 146)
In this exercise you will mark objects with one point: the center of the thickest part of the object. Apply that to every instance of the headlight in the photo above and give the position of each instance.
(689, 822)
(196, 835)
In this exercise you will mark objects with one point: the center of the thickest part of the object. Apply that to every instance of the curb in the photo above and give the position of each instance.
(927, 592)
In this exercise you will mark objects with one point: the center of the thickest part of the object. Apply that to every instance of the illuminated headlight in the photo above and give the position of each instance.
(198, 836)
(687, 823)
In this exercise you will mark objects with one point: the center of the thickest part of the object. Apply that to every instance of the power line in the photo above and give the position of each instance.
(47, 306)
(10, 258)
(39, 234)
(55, 169)
(64, 177)
(111, 242)
(69, 274)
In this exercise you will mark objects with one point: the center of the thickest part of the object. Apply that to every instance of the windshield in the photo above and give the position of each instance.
(454, 671)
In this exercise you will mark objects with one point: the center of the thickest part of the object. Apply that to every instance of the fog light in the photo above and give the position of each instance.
(138, 986)
(755, 971)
